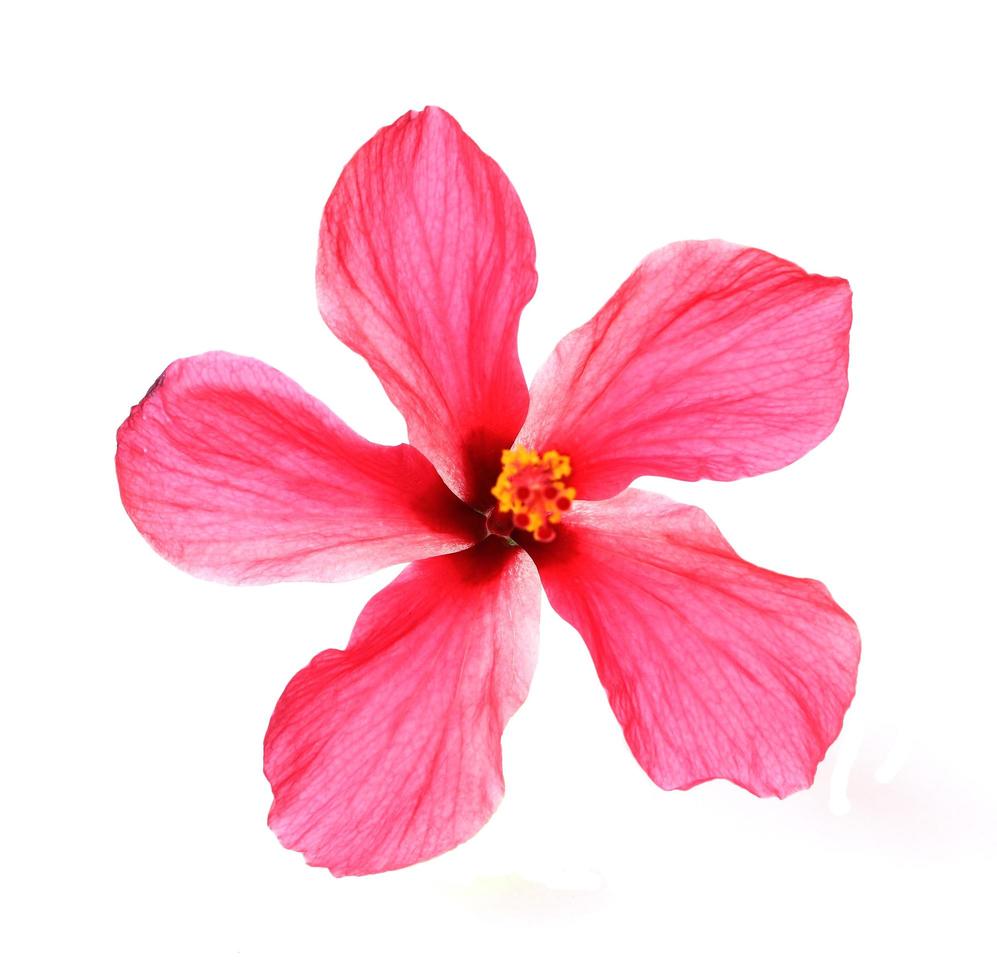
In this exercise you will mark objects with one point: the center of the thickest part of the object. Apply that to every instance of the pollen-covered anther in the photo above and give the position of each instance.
(532, 490)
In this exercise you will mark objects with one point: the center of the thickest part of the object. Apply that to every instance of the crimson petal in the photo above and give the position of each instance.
(425, 262)
(714, 667)
(712, 360)
(388, 752)
(232, 472)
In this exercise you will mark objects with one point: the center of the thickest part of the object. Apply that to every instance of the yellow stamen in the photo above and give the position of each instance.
(531, 487)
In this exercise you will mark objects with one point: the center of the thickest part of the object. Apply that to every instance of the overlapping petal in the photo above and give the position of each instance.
(712, 360)
(715, 668)
(232, 472)
(426, 260)
(388, 752)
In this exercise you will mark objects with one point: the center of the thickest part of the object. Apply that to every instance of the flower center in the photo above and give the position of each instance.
(531, 490)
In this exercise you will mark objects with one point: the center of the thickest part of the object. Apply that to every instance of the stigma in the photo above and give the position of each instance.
(531, 489)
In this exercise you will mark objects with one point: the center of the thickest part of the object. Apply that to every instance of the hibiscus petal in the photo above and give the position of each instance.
(388, 752)
(234, 473)
(712, 360)
(425, 262)
(715, 668)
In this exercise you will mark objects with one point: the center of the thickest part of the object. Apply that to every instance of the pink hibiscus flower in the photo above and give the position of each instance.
(711, 361)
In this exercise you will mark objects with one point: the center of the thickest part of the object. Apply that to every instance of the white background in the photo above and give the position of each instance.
(164, 173)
